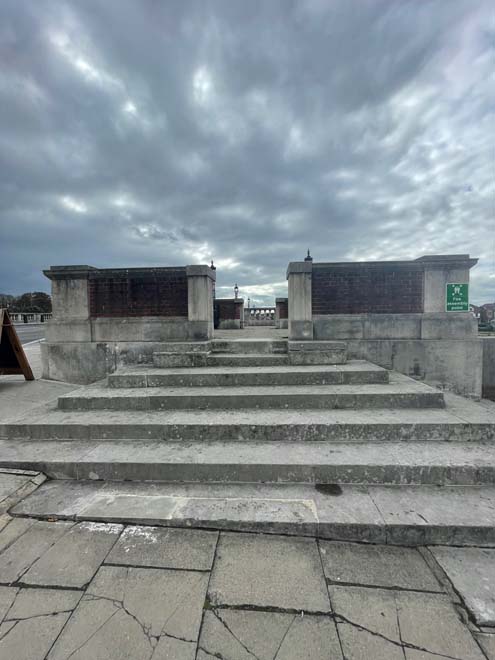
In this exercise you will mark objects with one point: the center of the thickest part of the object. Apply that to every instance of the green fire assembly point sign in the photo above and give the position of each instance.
(457, 298)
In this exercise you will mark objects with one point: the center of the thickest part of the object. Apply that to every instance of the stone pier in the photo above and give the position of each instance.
(104, 318)
(403, 315)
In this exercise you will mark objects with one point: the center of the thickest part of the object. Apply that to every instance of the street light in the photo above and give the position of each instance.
(236, 291)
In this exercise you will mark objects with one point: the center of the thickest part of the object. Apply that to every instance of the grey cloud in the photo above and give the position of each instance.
(164, 133)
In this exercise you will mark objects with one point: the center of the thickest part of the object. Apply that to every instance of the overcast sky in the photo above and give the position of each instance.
(150, 132)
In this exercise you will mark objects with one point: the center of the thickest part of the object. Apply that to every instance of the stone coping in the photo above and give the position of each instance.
(90, 272)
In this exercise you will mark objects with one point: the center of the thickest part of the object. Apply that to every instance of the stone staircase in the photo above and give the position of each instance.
(255, 440)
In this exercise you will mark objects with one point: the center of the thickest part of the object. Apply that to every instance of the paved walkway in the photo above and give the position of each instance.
(93, 591)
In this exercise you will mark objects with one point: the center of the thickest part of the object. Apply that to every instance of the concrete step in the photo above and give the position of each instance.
(395, 394)
(461, 421)
(357, 372)
(405, 515)
(256, 462)
(250, 360)
(247, 346)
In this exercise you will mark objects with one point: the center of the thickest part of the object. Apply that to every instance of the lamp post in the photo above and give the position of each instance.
(236, 291)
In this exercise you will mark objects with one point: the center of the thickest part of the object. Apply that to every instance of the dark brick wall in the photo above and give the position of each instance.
(228, 309)
(138, 292)
(283, 310)
(358, 288)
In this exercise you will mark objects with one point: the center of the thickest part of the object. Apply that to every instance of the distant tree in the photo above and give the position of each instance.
(35, 302)
(5, 300)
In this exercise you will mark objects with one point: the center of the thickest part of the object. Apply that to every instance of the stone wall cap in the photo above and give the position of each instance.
(78, 271)
(238, 301)
(201, 270)
(299, 267)
(281, 300)
(442, 260)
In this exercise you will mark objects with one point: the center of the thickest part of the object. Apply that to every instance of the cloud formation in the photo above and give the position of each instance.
(165, 133)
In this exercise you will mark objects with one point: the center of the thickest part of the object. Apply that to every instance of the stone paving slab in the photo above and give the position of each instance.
(245, 635)
(378, 624)
(33, 621)
(487, 643)
(15, 528)
(74, 559)
(127, 613)
(375, 565)
(35, 602)
(266, 571)
(20, 555)
(472, 572)
(164, 548)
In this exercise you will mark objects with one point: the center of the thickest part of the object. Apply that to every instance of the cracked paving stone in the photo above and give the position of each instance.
(13, 529)
(487, 643)
(373, 633)
(472, 572)
(379, 566)
(130, 613)
(247, 635)
(36, 602)
(160, 547)
(7, 597)
(268, 571)
(34, 621)
(74, 559)
(18, 557)
(374, 624)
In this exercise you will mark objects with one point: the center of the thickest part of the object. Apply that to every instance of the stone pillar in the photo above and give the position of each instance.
(200, 284)
(299, 275)
(70, 304)
(440, 270)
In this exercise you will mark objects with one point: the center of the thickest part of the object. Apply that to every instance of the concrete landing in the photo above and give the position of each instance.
(406, 515)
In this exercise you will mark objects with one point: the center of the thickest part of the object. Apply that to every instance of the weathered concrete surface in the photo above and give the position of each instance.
(245, 635)
(462, 420)
(267, 598)
(412, 515)
(450, 364)
(165, 548)
(73, 560)
(472, 572)
(265, 571)
(127, 613)
(372, 565)
(18, 557)
(308, 462)
(34, 622)
(355, 372)
(487, 643)
(396, 394)
(16, 484)
(376, 623)
(19, 397)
